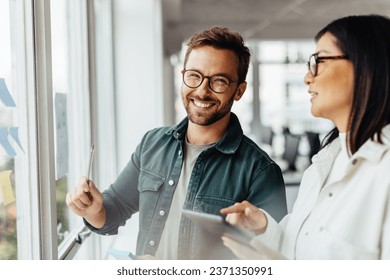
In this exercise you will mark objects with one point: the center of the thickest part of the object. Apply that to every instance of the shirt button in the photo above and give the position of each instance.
(152, 243)
(330, 194)
(354, 161)
(162, 213)
(171, 182)
(180, 152)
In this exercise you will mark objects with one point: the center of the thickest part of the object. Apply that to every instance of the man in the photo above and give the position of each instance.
(205, 163)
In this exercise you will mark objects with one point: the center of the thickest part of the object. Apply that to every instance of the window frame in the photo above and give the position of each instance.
(32, 81)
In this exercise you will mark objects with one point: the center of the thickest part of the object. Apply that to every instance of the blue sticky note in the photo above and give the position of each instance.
(5, 96)
(15, 135)
(5, 143)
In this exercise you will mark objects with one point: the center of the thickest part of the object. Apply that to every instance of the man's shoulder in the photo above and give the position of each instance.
(252, 150)
(156, 135)
(162, 130)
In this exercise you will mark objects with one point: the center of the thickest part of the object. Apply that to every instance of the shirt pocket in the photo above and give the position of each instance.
(149, 185)
(150, 181)
(211, 204)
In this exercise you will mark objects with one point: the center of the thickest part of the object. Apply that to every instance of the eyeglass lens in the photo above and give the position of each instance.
(194, 79)
(313, 65)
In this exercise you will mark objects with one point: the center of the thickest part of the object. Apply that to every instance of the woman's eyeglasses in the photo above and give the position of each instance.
(314, 60)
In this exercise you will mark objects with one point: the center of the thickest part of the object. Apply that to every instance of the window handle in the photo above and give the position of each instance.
(83, 235)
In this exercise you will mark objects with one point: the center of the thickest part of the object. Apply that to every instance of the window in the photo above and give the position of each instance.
(45, 126)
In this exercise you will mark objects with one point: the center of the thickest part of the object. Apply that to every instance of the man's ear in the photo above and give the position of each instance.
(240, 91)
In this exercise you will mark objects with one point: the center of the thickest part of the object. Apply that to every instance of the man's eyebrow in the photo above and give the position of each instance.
(224, 74)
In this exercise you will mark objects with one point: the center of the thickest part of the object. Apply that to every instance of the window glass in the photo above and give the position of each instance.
(9, 142)
(70, 104)
(60, 68)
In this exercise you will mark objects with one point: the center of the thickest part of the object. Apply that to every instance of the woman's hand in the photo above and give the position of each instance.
(246, 215)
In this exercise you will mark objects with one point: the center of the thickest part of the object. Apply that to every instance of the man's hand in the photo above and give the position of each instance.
(86, 201)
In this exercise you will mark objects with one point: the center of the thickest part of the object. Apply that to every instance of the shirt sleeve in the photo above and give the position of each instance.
(273, 235)
(121, 199)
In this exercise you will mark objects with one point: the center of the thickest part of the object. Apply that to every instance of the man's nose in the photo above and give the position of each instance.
(204, 87)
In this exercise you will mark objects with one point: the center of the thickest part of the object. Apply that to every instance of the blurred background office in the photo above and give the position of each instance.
(76, 72)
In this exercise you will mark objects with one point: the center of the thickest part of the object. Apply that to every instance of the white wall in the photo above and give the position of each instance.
(138, 72)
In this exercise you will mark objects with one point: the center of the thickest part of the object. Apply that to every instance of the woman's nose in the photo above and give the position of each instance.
(308, 78)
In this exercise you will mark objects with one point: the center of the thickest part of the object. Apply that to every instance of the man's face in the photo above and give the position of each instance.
(204, 106)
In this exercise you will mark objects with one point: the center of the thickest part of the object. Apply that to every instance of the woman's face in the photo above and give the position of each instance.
(331, 89)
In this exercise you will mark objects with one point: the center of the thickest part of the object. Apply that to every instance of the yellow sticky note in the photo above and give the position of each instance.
(6, 187)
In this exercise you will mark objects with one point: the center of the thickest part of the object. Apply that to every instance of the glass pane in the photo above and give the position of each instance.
(60, 90)
(71, 104)
(9, 141)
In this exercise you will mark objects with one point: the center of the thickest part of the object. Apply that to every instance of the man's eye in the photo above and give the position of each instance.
(221, 80)
(194, 75)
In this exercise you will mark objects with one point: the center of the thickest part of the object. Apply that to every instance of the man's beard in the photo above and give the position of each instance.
(208, 118)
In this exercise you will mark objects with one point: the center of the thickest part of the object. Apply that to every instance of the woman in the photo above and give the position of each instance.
(343, 207)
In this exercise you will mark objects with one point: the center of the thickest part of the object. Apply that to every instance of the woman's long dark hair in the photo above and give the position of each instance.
(366, 41)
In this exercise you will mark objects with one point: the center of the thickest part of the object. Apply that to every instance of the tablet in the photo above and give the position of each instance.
(217, 225)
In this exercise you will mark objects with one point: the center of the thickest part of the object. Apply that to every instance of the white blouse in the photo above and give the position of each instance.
(343, 207)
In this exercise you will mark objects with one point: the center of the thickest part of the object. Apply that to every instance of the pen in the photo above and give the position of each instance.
(90, 167)
(90, 162)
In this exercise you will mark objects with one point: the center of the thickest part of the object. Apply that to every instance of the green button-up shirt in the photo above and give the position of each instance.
(232, 170)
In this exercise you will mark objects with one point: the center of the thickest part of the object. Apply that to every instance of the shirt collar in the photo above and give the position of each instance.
(373, 150)
(228, 144)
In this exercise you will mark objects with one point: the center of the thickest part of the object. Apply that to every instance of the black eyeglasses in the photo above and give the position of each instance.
(217, 83)
(314, 60)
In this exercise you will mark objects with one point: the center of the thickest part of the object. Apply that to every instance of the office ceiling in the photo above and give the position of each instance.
(258, 19)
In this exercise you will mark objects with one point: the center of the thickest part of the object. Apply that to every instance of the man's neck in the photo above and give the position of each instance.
(207, 134)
